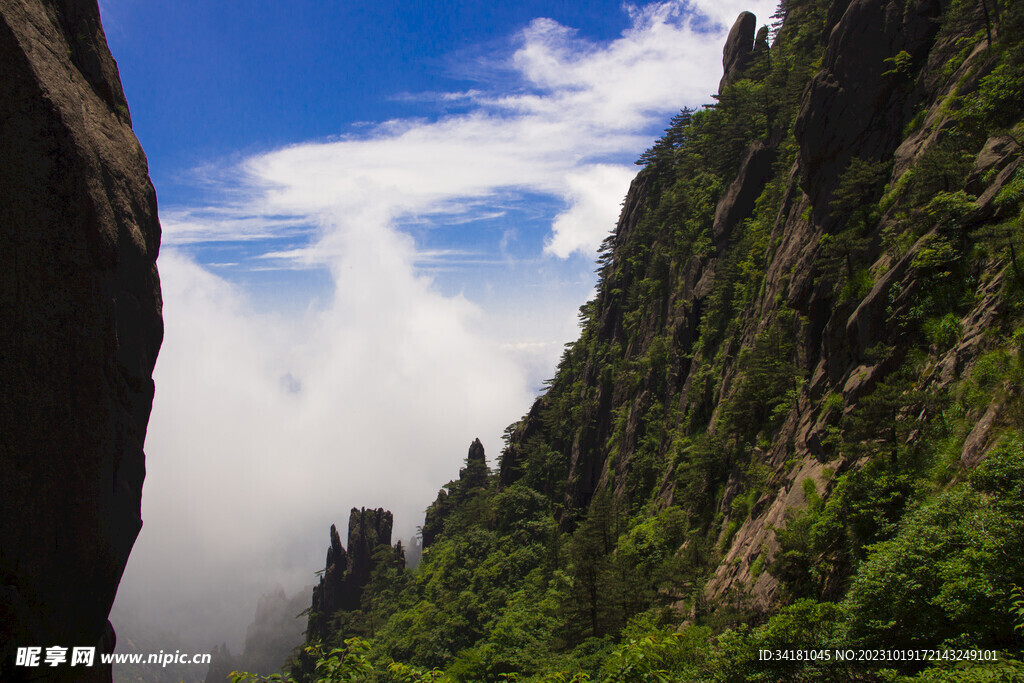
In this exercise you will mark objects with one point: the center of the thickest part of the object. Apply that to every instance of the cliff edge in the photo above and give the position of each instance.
(80, 327)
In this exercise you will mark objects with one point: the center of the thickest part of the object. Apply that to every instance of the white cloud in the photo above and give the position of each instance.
(267, 428)
(219, 224)
(592, 212)
(577, 106)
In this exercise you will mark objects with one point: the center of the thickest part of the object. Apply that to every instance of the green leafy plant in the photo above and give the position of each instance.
(349, 664)
(1017, 607)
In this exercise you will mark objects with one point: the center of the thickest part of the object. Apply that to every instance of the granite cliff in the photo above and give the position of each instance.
(348, 572)
(840, 286)
(80, 327)
(793, 414)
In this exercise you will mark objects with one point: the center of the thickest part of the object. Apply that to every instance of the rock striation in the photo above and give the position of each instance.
(855, 104)
(80, 327)
(879, 100)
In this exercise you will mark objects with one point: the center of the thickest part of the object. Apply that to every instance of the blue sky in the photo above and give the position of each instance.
(212, 84)
(209, 79)
(379, 223)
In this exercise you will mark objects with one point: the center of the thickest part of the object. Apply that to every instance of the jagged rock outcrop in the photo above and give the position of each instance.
(888, 81)
(739, 47)
(80, 327)
(738, 201)
(348, 572)
(475, 472)
(471, 477)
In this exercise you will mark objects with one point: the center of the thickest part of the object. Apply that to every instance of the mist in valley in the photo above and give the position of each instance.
(273, 419)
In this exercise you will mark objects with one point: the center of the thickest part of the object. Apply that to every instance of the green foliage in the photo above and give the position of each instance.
(660, 656)
(1004, 670)
(676, 135)
(947, 575)
(667, 419)
(942, 333)
(857, 286)
(1017, 607)
(767, 389)
(596, 602)
(743, 114)
(859, 188)
(937, 254)
(349, 664)
(900, 65)
(996, 104)
(1011, 195)
(985, 384)
(403, 673)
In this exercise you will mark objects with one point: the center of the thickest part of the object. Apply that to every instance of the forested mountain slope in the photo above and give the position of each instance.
(792, 418)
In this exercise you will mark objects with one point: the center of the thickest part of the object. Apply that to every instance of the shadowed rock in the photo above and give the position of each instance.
(471, 477)
(738, 201)
(348, 572)
(857, 103)
(80, 327)
(739, 47)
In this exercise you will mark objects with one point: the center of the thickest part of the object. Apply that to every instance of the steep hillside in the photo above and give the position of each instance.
(80, 326)
(276, 630)
(792, 418)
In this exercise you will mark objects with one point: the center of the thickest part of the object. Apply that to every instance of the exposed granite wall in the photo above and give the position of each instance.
(80, 327)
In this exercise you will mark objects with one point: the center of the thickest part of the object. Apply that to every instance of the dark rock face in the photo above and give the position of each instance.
(433, 521)
(856, 104)
(346, 573)
(475, 472)
(472, 476)
(510, 463)
(739, 47)
(222, 663)
(588, 468)
(738, 201)
(80, 327)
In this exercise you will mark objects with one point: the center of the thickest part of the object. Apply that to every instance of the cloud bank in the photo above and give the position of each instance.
(269, 426)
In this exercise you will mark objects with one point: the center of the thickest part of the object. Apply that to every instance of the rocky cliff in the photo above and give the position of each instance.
(735, 346)
(471, 477)
(793, 413)
(80, 327)
(347, 573)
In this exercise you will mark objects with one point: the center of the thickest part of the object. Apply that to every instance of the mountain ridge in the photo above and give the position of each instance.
(793, 394)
